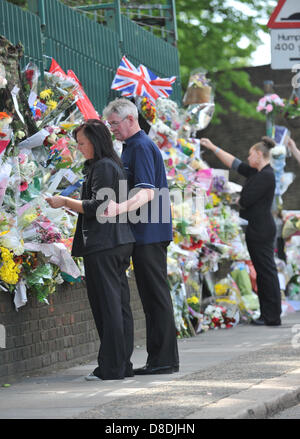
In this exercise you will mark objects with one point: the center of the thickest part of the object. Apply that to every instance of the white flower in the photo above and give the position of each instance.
(59, 280)
(20, 134)
(278, 150)
(13, 241)
(3, 82)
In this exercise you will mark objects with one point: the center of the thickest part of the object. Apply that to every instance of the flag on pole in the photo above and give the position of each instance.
(132, 81)
(163, 86)
(83, 103)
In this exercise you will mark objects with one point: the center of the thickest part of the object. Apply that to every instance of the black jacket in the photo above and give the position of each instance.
(92, 236)
(256, 202)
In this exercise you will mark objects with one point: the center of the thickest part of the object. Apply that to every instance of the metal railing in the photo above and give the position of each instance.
(93, 51)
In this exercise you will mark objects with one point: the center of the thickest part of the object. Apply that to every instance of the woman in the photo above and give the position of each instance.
(106, 247)
(255, 206)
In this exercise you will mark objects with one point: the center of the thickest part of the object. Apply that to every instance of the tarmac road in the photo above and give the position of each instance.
(245, 372)
(290, 413)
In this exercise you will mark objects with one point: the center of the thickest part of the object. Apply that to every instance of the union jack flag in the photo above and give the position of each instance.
(163, 86)
(132, 81)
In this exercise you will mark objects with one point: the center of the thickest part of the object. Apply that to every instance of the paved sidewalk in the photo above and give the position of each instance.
(238, 373)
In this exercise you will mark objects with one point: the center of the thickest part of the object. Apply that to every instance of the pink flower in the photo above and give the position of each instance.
(274, 97)
(269, 108)
(62, 147)
(262, 102)
(22, 158)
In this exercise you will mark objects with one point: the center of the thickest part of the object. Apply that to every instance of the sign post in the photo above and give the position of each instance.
(285, 34)
(285, 48)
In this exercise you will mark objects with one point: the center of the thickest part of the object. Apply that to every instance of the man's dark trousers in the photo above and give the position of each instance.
(150, 268)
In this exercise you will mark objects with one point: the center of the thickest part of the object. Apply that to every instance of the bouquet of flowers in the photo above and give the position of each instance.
(270, 104)
(199, 89)
(50, 100)
(9, 269)
(219, 317)
(168, 112)
(291, 226)
(291, 108)
(147, 109)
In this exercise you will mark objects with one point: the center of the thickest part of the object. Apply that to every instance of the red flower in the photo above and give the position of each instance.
(29, 74)
(23, 186)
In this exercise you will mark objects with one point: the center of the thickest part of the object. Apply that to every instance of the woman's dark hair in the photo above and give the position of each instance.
(99, 135)
(265, 145)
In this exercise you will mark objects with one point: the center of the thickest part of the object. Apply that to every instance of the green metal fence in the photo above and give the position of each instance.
(142, 47)
(22, 26)
(89, 49)
(93, 51)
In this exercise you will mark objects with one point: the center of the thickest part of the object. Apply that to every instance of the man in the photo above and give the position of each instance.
(145, 170)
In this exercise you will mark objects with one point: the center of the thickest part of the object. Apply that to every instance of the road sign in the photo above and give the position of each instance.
(285, 48)
(286, 15)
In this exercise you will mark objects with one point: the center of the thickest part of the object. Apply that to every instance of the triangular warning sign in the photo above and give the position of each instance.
(286, 15)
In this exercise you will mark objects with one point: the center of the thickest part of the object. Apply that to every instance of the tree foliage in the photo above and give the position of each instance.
(209, 37)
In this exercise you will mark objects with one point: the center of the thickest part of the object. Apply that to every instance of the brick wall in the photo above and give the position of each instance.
(59, 335)
(237, 134)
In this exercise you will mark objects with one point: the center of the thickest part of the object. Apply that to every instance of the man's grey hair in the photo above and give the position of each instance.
(121, 106)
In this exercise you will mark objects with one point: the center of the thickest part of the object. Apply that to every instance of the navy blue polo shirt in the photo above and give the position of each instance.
(145, 168)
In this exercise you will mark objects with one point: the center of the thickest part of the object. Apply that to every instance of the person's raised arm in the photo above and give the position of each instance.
(293, 148)
(222, 155)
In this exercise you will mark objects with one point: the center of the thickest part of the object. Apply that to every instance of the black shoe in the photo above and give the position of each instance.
(277, 323)
(149, 370)
(258, 322)
(129, 374)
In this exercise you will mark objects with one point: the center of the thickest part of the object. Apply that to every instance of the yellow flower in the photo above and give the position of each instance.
(216, 199)
(67, 125)
(193, 299)
(220, 289)
(232, 302)
(52, 104)
(46, 94)
(177, 237)
(9, 270)
(29, 218)
(4, 233)
(180, 178)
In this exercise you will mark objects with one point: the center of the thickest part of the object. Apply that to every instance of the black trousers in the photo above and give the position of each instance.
(268, 288)
(109, 297)
(150, 268)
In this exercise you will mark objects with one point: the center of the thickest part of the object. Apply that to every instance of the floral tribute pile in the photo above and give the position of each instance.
(38, 158)
(206, 226)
